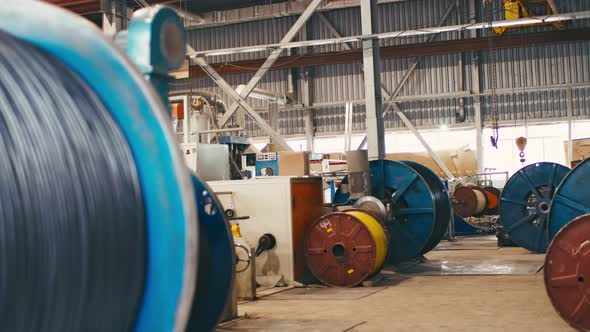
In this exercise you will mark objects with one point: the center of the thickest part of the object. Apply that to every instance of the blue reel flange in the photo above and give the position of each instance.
(525, 204)
(216, 261)
(135, 106)
(571, 198)
(420, 206)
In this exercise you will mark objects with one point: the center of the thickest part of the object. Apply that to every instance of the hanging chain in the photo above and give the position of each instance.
(492, 75)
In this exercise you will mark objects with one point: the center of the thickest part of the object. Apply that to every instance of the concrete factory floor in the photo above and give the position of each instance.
(502, 302)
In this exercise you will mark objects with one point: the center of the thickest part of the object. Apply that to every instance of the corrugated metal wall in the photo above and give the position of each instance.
(439, 77)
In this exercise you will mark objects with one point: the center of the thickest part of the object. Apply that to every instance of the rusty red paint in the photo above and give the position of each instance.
(567, 273)
(340, 250)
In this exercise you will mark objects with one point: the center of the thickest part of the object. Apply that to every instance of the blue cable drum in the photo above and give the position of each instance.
(420, 205)
(525, 204)
(571, 198)
(442, 201)
(216, 261)
(167, 190)
(413, 225)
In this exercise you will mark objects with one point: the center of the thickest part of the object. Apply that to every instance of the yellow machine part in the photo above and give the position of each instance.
(378, 233)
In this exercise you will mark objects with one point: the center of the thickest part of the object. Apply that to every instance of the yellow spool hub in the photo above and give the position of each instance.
(376, 229)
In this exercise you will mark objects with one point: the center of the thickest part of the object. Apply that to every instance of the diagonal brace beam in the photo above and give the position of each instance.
(272, 58)
(276, 137)
(391, 96)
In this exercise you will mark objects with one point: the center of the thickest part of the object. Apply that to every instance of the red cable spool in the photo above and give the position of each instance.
(470, 201)
(567, 273)
(343, 249)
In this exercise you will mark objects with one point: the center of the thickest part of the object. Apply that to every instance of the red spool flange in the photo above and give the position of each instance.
(340, 250)
(567, 273)
(467, 203)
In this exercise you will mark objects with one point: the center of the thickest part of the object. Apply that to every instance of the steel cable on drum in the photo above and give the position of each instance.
(72, 220)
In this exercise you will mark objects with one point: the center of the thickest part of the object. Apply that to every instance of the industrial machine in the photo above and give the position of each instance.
(283, 207)
(525, 204)
(112, 227)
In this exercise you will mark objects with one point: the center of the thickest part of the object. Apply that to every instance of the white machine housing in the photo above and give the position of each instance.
(282, 206)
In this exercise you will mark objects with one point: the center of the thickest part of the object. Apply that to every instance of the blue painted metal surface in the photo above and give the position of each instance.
(216, 261)
(166, 184)
(525, 204)
(267, 160)
(442, 204)
(412, 227)
(156, 42)
(463, 228)
(571, 199)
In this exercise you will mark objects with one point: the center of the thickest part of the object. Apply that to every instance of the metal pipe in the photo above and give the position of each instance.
(211, 97)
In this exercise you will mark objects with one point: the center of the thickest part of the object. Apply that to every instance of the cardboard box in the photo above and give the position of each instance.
(293, 163)
(461, 162)
(580, 150)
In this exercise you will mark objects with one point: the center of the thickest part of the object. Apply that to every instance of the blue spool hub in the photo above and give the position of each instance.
(134, 104)
(525, 204)
(413, 227)
(216, 261)
(571, 199)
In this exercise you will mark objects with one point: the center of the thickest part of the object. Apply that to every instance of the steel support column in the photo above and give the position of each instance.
(476, 89)
(372, 69)
(114, 16)
(570, 115)
(273, 57)
(392, 96)
(408, 123)
(276, 137)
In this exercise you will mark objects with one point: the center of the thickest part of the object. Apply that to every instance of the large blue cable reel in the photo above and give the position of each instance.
(525, 204)
(419, 203)
(216, 261)
(571, 198)
(168, 302)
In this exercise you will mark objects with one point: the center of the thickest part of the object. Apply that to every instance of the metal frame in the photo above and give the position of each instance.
(398, 34)
(239, 99)
(276, 137)
(272, 58)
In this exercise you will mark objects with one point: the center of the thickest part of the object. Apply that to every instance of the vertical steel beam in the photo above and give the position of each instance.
(570, 116)
(276, 137)
(372, 69)
(114, 16)
(393, 95)
(476, 89)
(305, 85)
(272, 58)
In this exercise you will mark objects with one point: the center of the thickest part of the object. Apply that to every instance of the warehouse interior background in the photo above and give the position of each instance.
(294, 165)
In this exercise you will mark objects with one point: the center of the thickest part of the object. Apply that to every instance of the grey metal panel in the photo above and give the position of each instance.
(581, 101)
(528, 106)
(535, 66)
(241, 34)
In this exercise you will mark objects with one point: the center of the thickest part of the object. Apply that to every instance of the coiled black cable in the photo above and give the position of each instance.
(72, 221)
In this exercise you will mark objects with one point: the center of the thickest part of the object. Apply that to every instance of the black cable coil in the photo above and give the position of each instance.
(72, 220)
